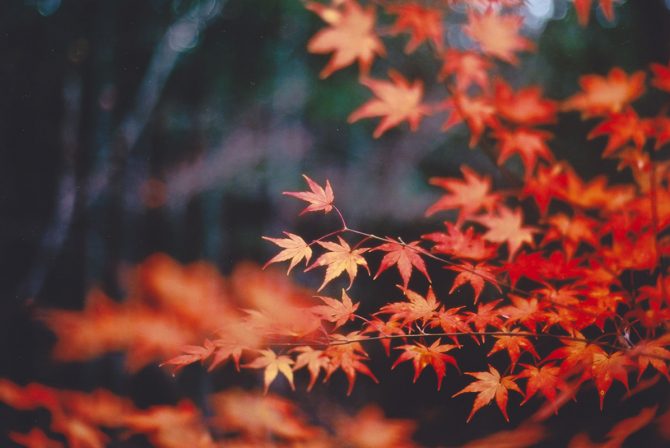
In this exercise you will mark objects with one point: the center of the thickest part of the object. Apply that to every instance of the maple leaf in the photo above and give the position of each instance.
(607, 368)
(575, 353)
(273, 365)
(350, 37)
(654, 353)
(422, 23)
(468, 196)
(528, 312)
(318, 198)
(476, 112)
(595, 193)
(486, 315)
(295, 249)
(339, 259)
(475, 275)
(525, 107)
(34, 439)
(461, 244)
(370, 429)
(336, 311)
(422, 356)
(451, 321)
(546, 379)
(498, 35)
(396, 101)
(547, 183)
(314, 360)
(514, 345)
(583, 8)
(467, 67)
(384, 328)
(349, 357)
(490, 385)
(506, 226)
(621, 128)
(404, 256)
(528, 143)
(661, 76)
(192, 353)
(572, 231)
(605, 95)
(418, 307)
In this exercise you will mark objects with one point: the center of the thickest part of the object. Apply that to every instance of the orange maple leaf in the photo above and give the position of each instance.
(490, 385)
(34, 439)
(350, 37)
(423, 355)
(468, 196)
(621, 128)
(338, 312)
(459, 244)
(475, 275)
(273, 365)
(583, 8)
(476, 112)
(497, 34)
(661, 76)
(313, 359)
(319, 198)
(404, 256)
(506, 226)
(417, 307)
(546, 379)
(514, 345)
(340, 258)
(295, 249)
(422, 23)
(528, 143)
(525, 107)
(467, 67)
(604, 95)
(607, 368)
(396, 101)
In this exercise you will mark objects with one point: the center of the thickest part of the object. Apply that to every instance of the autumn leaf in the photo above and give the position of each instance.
(192, 353)
(314, 360)
(583, 8)
(622, 128)
(273, 365)
(605, 95)
(529, 144)
(514, 345)
(338, 312)
(661, 76)
(476, 275)
(423, 24)
(486, 315)
(525, 107)
(416, 308)
(463, 245)
(295, 249)
(396, 101)
(468, 196)
(506, 226)
(349, 357)
(404, 256)
(607, 368)
(350, 37)
(490, 385)
(477, 113)
(468, 69)
(422, 356)
(318, 198)
(546, 379)
(370, 429)
(35, 438)
(339, 258)
(498, 34)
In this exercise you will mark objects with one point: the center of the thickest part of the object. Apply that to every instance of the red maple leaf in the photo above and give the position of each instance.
(498, 34)
(423, 355)
(468, 69)
(404, 256)
(605, 95)
(318, 198)
(468, 196)
(397, 101)
(528, 143)
(465, 245)
(422, 23)
(350, 36)
(506, 226)
(336, 311)
(490, 385)
(476, 275)
(339, 258)
(622, 128)
(661, 76)
(524, 107)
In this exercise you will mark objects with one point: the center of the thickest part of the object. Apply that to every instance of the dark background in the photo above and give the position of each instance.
(131, 127)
